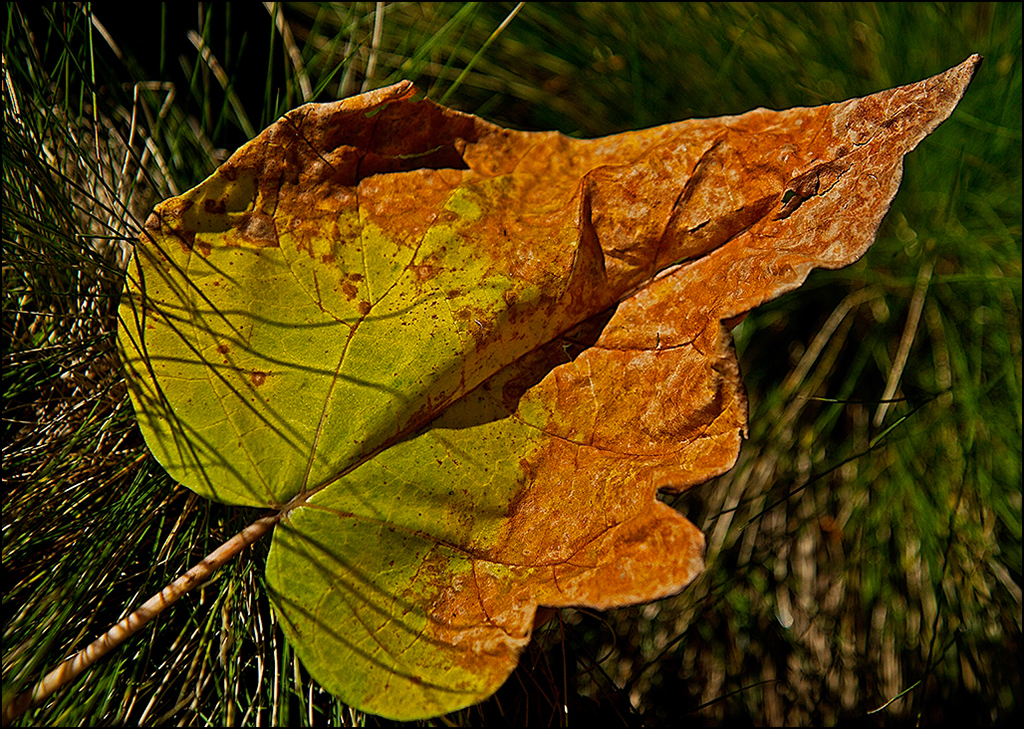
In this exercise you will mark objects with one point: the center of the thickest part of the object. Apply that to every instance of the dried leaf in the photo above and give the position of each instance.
(461, 360)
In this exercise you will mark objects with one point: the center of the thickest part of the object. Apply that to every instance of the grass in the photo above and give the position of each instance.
(864, 559)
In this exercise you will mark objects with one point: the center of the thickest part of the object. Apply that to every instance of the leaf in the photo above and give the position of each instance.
(460, 361)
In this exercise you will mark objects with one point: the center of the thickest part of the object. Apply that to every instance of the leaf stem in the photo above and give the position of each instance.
(70, 669)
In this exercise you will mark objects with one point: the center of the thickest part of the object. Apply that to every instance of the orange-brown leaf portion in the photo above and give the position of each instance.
(467, 358)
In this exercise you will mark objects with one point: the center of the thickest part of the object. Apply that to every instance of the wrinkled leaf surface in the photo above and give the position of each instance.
(463, 360)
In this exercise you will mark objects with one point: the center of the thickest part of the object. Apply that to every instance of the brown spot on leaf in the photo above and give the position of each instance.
(258, 229)
(258, 377)
(215, 207)
(349, 290)
(425, 272)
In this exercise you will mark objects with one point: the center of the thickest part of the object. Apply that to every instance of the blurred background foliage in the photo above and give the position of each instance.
(864, 557)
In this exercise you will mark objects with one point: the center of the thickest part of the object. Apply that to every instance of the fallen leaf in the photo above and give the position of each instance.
(461, 361)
